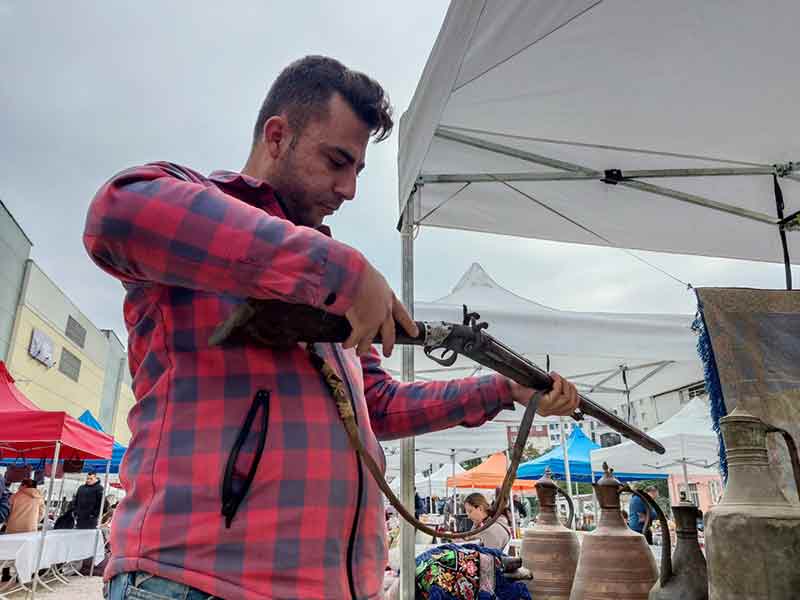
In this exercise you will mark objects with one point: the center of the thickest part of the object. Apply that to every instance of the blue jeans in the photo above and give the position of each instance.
(144, 586)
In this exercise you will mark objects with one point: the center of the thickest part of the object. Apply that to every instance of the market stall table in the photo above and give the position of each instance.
(61, 546)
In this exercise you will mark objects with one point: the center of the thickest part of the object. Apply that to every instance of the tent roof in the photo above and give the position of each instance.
(488, 475)
(118, 452)
(11, 399)
(524, 105)
(578, 451)
(687, 435)
(28, 431)
(658, 350)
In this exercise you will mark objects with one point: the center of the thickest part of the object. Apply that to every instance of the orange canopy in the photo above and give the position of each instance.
(489, 475)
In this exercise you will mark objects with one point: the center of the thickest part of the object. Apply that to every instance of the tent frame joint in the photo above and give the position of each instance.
(784, 169)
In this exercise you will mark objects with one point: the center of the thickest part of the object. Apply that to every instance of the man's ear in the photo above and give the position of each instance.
(276, 135)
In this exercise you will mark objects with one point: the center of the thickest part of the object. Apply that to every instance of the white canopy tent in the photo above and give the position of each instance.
(645, 125)
(656, 351)
(688, 437)
(435, 484)
(649, 125)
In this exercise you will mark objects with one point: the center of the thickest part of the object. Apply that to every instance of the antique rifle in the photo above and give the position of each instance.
(275, 323)
(278, 324)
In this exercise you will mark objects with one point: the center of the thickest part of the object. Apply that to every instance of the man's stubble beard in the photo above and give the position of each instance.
(293, 194)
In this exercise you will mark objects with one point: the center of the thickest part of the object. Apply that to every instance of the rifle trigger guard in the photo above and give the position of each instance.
(447, 359)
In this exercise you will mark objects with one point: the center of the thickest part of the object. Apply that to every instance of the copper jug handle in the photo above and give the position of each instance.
(571, 506)
(666, 542)
(793, 456)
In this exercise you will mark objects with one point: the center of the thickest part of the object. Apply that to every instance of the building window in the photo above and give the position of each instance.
(644, 417)
(69, 365)
(76, 332)
(692, 495)
(641, 401)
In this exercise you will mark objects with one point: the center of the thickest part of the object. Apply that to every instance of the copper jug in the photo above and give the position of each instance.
(615, 561)
(753, 534)
(683, 575)
(550, 550)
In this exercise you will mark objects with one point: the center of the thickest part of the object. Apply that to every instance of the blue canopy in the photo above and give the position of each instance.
(580, 467)
(116, 455)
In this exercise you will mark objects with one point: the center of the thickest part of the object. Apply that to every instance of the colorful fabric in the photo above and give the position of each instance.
(188, 250)
(454, 570)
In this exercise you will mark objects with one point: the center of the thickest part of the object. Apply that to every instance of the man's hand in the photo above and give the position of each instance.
(562, 400)
(376, 308)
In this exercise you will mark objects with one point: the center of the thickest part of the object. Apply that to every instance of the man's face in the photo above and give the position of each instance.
(653, 494)
(317, 172)
(91, 478)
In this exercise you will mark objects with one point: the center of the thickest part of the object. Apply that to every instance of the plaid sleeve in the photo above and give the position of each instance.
(404, 409)
(146, 225)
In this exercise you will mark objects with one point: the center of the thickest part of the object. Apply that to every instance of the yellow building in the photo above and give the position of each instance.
(61, 361)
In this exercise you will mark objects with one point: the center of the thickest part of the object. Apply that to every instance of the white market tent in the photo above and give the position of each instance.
(600, 352)
(635, 124)
(435, 485)
(688, 437)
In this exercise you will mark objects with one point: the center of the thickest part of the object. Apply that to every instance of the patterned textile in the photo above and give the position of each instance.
(453, 572)
(749, 343)
(188, 249)
(456, 571)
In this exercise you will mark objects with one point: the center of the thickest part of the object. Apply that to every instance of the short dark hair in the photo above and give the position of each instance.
(303, 89)
(651, 488)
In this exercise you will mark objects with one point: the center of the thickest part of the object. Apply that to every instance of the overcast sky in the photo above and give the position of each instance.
(90, 88)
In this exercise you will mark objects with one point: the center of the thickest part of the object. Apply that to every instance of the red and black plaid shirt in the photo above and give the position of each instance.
(188, 249)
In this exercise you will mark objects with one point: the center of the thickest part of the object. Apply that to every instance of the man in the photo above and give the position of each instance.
(637, 514)
(87, 502)
(240, 479)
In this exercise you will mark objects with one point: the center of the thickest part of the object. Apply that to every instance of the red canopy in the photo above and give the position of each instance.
(30, 432)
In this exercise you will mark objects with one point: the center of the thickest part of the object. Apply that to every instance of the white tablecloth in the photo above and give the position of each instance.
(62, 545)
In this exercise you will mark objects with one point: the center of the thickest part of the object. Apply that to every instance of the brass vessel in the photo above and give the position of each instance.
(683, 575)
(615, 561)
(550, 550)
(753, 534)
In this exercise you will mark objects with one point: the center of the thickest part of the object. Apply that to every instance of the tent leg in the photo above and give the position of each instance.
(407, 532)
(99, 533)
(40, 550)
(566, 459)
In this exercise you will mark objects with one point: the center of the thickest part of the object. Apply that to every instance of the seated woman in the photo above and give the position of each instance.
(479, 510)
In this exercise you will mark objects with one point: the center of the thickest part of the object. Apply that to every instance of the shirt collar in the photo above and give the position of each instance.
(258, 193)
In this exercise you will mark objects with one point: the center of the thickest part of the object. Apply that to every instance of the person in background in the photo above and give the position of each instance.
(637, 514)
(5, 503)
(478, 510)
(27, 508)
(88, 499)
(67, 518)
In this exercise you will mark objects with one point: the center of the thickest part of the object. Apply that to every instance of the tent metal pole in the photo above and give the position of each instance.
(407, 532)
(566, 458)
(40, 550)
(481, 144)
(100, 516)
(698, 200)
(430, 488)
(597, 176)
